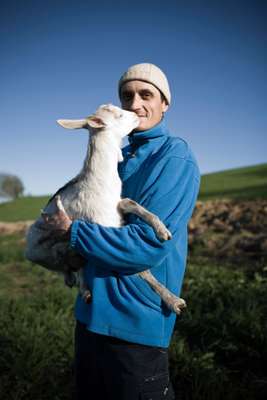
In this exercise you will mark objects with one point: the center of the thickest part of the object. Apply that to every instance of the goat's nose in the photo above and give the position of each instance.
(136, 119)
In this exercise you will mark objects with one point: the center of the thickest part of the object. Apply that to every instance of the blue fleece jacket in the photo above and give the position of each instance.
(160, 173)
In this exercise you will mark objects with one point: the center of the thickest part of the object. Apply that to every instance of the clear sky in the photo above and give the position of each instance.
(62, 59)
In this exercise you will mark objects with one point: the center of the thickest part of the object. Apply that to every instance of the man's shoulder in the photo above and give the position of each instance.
(177, 147)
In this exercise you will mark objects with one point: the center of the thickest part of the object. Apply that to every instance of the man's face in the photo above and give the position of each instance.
(145, 100)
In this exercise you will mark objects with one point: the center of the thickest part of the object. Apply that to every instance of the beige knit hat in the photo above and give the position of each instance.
(148, 73)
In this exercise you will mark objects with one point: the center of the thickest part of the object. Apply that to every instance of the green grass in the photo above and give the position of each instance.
(239, 183)
(218, 350)
(22, 209)
(220, 341)
(36, 328)
(36, 334)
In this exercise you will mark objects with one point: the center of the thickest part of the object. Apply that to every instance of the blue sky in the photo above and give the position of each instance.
(62, 59)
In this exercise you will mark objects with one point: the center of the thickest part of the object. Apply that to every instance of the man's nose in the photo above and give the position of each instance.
(136, 103)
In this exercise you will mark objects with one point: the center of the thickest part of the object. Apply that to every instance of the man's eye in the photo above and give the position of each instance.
(146, 95)
(127, 96)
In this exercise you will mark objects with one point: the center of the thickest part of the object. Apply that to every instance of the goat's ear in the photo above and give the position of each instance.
(95, 122)
(73, 123)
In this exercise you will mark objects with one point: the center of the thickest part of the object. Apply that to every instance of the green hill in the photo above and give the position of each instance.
(22, 209)
(240, 183)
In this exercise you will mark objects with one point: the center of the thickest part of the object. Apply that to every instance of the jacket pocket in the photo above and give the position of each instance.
(157, 387)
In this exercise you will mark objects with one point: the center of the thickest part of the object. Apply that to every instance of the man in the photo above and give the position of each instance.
(122, 336)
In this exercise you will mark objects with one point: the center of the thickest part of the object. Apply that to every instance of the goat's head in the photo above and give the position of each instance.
(107, 117)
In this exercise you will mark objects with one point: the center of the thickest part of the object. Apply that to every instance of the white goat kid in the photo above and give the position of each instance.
(95, 195)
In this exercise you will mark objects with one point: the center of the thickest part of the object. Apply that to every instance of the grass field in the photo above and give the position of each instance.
(241, 183)
(22, 209)
(219, 341)
(219, 347)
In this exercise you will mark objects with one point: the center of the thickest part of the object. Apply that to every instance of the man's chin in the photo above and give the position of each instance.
(140, 128)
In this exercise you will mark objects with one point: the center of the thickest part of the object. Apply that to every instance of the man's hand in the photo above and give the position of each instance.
(57, 225)
(56, 229)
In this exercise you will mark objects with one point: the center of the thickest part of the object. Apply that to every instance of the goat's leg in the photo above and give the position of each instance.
(83, 289)
(72, 259)
(173, 302)
(127, 206)
(69, 278)
(75, 264)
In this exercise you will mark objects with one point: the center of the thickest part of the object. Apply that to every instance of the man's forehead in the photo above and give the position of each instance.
(137, 85)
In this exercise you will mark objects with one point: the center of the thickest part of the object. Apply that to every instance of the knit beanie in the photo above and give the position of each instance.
(148, 73)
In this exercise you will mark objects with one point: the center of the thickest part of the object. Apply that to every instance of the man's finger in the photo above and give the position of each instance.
(42, 225)
(45, 216)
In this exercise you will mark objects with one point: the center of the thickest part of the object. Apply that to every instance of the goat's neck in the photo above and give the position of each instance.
(102, 156)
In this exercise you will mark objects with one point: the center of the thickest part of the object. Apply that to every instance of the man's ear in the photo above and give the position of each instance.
(165, 106)
(95, 122)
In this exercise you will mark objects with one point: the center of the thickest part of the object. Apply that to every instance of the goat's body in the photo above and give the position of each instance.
(97, 189)
(92, 196)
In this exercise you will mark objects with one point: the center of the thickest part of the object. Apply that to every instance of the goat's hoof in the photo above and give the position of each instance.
(179, 306)
(87, 297)
(163, 233)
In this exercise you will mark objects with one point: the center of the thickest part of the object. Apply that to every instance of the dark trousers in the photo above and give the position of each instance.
(112, 369)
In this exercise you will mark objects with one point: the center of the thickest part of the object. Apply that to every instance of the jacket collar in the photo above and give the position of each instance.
(141, 137)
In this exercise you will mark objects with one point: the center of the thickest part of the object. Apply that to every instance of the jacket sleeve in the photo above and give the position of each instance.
(170, 194)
